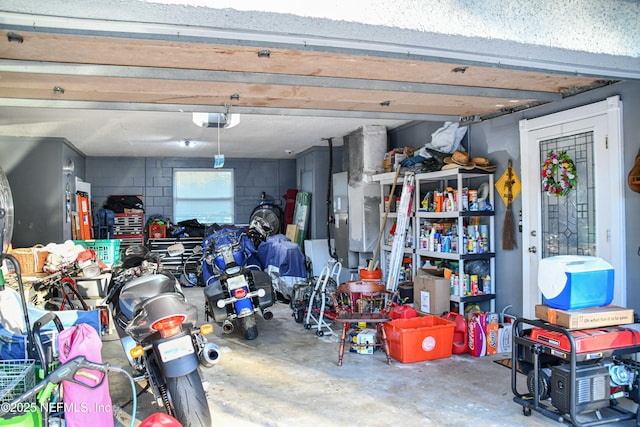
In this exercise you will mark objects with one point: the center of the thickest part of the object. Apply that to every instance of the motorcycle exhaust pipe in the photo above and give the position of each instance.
(227, 327)
(267, 314)
(210, 355)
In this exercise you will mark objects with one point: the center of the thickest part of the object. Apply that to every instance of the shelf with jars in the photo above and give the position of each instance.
(455, 217)
(451, 223)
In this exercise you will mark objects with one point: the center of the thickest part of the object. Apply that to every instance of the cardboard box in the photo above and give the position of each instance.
(504, 337)
(431, 293)
(366, 336)
(492, 333)
(583, 318)
(292, 232)
(359, 336)
(478, 334)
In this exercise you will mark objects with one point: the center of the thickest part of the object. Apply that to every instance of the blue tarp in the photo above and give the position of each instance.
(284, 254)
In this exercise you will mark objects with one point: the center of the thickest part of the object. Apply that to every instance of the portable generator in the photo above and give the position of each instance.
(591, 388)
(596, 384)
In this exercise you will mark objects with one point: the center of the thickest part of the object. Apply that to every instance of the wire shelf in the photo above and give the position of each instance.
(16, 377)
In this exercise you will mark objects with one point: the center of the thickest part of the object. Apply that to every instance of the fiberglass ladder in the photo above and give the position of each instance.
(402, 223)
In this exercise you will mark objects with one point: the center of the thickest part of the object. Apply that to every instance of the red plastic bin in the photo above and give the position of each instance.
(420, 338)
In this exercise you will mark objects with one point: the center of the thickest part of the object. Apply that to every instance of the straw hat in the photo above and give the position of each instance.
(460, 159)
(483, 163)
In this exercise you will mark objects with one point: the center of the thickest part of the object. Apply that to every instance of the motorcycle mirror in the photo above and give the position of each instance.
(175, 249)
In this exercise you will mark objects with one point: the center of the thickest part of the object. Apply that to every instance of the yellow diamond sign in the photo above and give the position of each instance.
(509, 179)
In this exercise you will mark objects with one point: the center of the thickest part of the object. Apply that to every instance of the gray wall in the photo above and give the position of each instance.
(152, 178)
(499, 140)
(312, 167)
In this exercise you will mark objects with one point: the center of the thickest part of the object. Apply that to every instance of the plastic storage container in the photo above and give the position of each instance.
(108, 250)
(569, 282)
(420, 338)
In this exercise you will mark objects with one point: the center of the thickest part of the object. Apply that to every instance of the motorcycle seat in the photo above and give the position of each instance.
(140, 289)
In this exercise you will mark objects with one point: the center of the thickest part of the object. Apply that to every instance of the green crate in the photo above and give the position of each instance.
(108, 250)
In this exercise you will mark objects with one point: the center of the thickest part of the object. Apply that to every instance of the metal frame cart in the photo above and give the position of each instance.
(330, 271)
(569, 387)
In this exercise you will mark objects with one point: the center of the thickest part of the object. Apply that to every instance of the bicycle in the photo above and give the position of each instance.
(58, 291)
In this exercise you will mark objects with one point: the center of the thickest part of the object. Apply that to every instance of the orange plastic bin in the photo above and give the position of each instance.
(420, 338)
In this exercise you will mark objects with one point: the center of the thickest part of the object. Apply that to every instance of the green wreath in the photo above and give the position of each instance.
(558, 173)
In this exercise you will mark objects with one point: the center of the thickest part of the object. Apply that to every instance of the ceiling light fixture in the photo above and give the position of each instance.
(217, 120)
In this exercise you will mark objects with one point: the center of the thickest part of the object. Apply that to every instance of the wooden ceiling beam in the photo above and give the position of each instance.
(121, 89)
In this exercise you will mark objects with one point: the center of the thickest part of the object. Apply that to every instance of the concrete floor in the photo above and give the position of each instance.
(290, 377)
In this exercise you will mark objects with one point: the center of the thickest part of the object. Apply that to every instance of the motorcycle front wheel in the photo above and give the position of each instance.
(248, 326)
(189, 400)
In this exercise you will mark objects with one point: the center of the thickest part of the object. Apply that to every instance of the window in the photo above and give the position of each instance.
(204, 194)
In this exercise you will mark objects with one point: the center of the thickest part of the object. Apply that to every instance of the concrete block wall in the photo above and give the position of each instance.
(152, 177)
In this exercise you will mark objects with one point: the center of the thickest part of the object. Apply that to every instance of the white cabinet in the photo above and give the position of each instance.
(452, 224)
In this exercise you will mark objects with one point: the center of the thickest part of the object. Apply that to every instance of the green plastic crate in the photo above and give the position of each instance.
(108, 250)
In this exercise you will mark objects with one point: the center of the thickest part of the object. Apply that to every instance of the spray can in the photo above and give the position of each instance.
(486, 284)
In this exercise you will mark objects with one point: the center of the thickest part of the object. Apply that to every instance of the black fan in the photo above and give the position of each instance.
(269, 212)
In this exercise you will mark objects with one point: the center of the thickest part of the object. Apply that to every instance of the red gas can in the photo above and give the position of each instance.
(403, 312)
(460, 333)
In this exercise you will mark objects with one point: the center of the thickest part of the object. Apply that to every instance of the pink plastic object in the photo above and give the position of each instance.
(160, 419)
(84, 406)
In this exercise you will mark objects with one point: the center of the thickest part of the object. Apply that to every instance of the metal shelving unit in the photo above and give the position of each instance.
(432, 181)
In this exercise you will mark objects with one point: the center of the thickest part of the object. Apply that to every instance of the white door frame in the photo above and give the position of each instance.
(608, 175)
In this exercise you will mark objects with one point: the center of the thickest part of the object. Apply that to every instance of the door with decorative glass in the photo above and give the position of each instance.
(564, 215)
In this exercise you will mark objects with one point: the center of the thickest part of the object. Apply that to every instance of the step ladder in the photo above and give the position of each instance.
(402, 223)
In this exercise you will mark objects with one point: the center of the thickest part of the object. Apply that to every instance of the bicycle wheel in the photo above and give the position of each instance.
(71, 296)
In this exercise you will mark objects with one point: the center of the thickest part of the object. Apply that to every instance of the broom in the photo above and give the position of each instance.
(508, 228)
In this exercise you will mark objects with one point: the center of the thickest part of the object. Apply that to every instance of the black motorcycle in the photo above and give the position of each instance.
(157, 329)
(235, 287)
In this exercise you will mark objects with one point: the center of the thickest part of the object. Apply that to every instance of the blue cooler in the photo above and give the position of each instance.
(570, 282)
